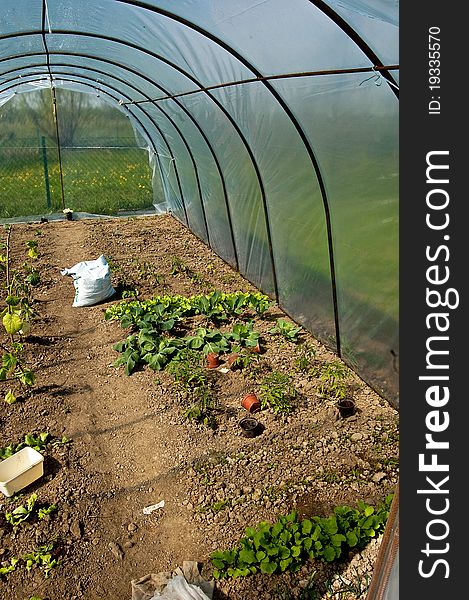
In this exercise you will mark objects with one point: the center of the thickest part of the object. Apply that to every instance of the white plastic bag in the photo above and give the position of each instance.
(179, 589)
(92, 281)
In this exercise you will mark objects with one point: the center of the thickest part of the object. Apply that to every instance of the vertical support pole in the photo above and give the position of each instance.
(46, 170)
(56, 120)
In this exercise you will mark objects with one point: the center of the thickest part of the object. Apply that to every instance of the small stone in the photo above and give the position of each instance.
(132, 527)
(355, 437)
(377, 477)
(76, 529)
(116, 550)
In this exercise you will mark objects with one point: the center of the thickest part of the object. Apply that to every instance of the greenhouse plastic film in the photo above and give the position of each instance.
(244, 195)
(294, 207)
(351, 122)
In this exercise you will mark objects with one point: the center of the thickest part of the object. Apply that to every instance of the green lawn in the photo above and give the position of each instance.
(99, 181)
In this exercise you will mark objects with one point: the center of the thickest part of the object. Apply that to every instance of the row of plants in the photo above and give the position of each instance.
(38, 442)
(16, 312)
(46, 556)
(160, 338)
(289, 542)
(216, 306)
(158, 331)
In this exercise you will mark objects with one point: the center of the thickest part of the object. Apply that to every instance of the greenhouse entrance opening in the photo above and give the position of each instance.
(61, 148)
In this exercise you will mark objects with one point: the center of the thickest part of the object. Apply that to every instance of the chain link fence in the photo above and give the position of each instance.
(98, 180)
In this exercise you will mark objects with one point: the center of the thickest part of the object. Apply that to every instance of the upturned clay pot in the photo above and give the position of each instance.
(213, 360)
(231, 358)
(251, 403)
(346, 407)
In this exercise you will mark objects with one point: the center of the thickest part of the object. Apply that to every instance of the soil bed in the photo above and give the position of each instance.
(131, 447)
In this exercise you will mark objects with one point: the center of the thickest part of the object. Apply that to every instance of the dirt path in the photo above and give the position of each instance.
(124, 454)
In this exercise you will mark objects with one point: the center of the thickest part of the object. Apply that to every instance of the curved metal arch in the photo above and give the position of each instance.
(114, 77)
(320, 4)
(93, 85)
(214, 100)
(299, 130)
(164, 90)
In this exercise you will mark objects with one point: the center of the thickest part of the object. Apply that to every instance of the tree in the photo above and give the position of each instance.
(73, 110)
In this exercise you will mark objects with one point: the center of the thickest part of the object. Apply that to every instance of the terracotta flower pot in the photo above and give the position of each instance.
(346, 407)
(251, 403)
(231, 358)
(213, 360)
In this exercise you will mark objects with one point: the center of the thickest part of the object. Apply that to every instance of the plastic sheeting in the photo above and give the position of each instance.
(292, 180)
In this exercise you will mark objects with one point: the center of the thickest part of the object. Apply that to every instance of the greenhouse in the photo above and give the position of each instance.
(235, 166)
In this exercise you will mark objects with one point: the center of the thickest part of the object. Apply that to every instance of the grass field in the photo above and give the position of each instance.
(99, 181)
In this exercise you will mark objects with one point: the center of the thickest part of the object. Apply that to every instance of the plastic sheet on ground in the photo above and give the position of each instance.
(181, 584)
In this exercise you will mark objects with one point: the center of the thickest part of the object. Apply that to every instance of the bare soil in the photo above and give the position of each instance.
(130, 446)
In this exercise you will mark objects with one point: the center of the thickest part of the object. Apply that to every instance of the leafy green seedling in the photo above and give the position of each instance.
(287, 330)
(21, 513)
(277, 392)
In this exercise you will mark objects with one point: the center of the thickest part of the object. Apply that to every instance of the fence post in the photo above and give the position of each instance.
(46, 170)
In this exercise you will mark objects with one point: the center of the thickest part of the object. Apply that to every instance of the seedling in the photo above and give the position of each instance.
(287, 330)
(288, 543)
(208, 341)
(277, 392)
(42, 558)
(332, 379)
(304, 357)
(38, 442)
(22, 513)
(243, 334)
